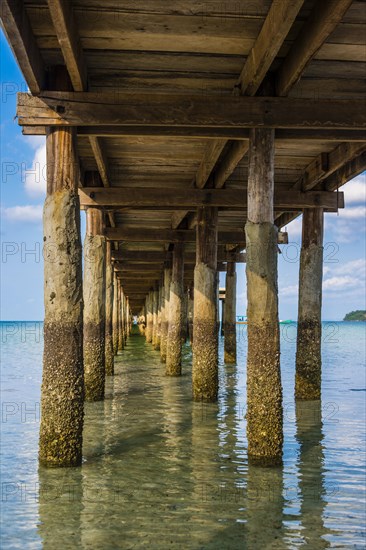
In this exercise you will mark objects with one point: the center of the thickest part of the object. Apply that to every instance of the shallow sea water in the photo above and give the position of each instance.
(162, 472)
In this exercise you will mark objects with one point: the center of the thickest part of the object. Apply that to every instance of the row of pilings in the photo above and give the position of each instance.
(87, 322)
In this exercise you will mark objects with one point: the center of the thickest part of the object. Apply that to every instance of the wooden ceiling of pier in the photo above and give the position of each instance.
(211, 50)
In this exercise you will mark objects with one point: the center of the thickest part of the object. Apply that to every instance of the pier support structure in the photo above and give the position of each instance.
(264, 392)
(155, 339)
(62, 404)
(94, 306)
(165, 312)
(176, 304)
(205, 326)
(230, 314)
(121, 343)
(115, 314)
(149, 317)
(309, 331)
(109, 353)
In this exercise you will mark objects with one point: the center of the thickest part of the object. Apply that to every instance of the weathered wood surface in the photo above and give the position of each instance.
(205, 326)
(62, 404)
(264, 424)
(175, 314)
(238, 134)
(79, 109)
(146, 197)
(309, 329)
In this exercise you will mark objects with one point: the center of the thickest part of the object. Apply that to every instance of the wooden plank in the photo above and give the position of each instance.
(324, 18)
(276, 27)
(63, 21)
(168, 235)
(326, 164)
(282, 135)
(84, 109)
(147, 256)
(20, 36)
(140, 197)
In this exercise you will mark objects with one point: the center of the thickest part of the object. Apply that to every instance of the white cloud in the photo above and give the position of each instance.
(28, 213)
(294, 229)
(338, 283)
(346, 277)
(354, 267)
(291, 290)
(355, 190)
(354, 212)
(35, 178)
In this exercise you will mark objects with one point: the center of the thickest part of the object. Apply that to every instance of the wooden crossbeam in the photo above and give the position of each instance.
(156, 256)
(141, 109)
(239, 134)
(168, 235)
(145, 197)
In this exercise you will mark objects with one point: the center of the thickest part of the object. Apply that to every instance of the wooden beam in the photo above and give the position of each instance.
(64, 23)
(240, 134)
(278, 22)
(16, 25)
(154, 256)
(344, 174)
(67, 34)
(324, 18)
(141, 109)
(145, 197)
(276, 27)
(168, 235)
(328, 163)
(285, 78)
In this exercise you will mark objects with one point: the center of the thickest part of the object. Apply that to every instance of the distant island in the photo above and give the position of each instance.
(358, 315)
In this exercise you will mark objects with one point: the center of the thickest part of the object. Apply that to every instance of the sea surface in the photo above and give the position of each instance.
(161, 472)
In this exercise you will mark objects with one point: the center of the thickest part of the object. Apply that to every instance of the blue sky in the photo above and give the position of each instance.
(21, 200)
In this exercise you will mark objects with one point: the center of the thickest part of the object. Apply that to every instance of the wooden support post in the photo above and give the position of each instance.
(309, 330)
(174, 341)
(62, 405)
(230, 314)
(264, 392)
(205, 329)
(155, 300)
(115, 315)
(190, 313)
(94, 306)
(165, 313)
(121, 340)
(223, 314)
(109, 353)
(158, 332)
(149, 317)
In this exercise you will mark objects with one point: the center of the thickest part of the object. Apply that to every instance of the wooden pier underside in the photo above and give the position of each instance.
(164, 95)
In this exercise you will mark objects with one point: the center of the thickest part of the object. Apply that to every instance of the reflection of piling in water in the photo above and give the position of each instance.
(60, 505)
(264, 506)
(312, 490)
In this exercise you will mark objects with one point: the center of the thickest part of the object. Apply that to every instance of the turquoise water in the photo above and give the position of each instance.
(162, 472)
